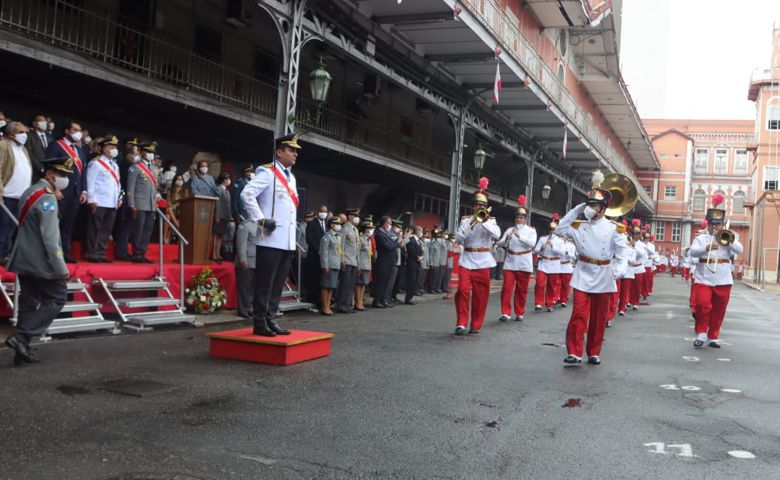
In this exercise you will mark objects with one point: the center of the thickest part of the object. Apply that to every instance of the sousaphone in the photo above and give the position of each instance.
(624, 194)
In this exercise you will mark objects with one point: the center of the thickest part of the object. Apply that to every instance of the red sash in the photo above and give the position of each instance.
(286, 184)
(110, 170)
(29, 203)
(148, 173)
(72, 153)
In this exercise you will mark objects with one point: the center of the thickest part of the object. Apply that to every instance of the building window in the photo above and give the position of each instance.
(670, 192)
(740, 162)
(698, 199)
(700, 161)
(648, 189)
(676, 231)
(660, 231)
(738, 202)
(773, 114)
(662, 155)
(428, 204)
(721, 161)
(771, 177)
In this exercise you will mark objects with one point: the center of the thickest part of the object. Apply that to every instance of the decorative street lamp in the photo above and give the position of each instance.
(319, 82)
(546, 189)
(479, 160)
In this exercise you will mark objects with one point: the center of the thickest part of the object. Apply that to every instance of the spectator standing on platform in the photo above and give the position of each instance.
(365, 255)
(311, 267)
(37, 260)
(50, 128)
(245, 267)
(104, 196)
(75, 194)
(331, 262)
(176, 194)
(414, 259)
(425, 245)
(37, 143)
(16, 173)
(271, 200)
(202, 183)
(392, 284)
(125, 222)
(236, 205)
(387, 245)
(142, 198)
(349, 262)
(222, 214)
(436, 251)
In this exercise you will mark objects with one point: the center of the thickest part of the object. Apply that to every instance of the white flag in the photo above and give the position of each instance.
(565, 141)
(497, 84)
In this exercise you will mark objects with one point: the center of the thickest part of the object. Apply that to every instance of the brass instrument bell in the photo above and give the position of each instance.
(623, 192)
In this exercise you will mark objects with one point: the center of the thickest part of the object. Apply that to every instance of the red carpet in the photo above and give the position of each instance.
(297, 347)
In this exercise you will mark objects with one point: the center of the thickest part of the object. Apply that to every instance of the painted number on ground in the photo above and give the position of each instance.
(676, 449)
(690, 359)
(687, 388)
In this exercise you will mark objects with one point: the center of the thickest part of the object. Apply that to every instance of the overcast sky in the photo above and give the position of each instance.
(694, 58)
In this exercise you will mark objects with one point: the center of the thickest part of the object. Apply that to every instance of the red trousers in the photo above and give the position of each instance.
(636, 288)
(589, 313)
(686, 273)
(648, 281)
(565, 287)
(613, 304)
(672, 270)
(691, 299)
(514, 283)
(710, 306)
(546, 288)
(624, 289)
(473, 285)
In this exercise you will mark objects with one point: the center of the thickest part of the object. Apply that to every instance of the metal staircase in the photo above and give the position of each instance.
(7, 291)
(140, 321)
(92, 322)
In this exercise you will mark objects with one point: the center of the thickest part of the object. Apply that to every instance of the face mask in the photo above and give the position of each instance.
(21, 138)
(149, 157)
(370, 232)
(75, 136)
(179, 183)
(203, 169)
(51, 126)
(336, 228)
(322, 215)
(61, 182)
(590, 212)
(356, 220)
(397, 230)
(41, 125)
(2, 123)
(113, 153)
(88, 140)
(251, 175)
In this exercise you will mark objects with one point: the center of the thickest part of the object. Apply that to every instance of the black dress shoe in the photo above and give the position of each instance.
(572, 360)
(69, 259)
(473, 331)
(263, 331)
(410, 302)
(121, 259)
(378, 305)
(276, 328)
(91, 260)
(340, 310)
(698, 343)
(106, 260)
(459, 330)
(389, 305)
(140, 260)
(714, 344)
(594, 360)
(22, 350)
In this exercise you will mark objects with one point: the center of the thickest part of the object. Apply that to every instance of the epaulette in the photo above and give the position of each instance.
(576, 224)
(267, 165)
(48, 190)
(619, 227)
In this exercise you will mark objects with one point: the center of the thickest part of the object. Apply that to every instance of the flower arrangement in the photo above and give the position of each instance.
(205, 295)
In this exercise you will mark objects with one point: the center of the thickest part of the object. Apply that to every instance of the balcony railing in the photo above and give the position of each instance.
(504, 30)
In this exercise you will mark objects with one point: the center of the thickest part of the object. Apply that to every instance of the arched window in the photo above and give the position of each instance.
(698, 199)
(738, 202)
(773, 114)
(561, 71)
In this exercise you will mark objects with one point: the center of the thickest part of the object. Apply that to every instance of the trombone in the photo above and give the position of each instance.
(481, 215)
(723, 238)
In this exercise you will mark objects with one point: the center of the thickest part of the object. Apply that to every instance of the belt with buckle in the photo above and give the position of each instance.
(511, 252)
(594, 261)
(551, 258)
(485, 249)
(719, 260)
(637, 265)
(566, 262)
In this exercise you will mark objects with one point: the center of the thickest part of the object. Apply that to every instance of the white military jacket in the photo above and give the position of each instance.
(567, 257)
(554, 251)
(641, 254)
(630, 258)
(519, 242)
(103, 188)
(719, 260)
(674, 261)
(650, 254)
(480, 237)
(258, 197)
(597, 240)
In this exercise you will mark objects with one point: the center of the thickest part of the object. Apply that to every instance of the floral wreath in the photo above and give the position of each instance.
(206, 295)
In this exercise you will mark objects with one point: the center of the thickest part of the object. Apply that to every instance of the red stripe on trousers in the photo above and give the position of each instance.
(517, 283)
(546, 288)
(473, 285)
(589, 313)
(710, 307)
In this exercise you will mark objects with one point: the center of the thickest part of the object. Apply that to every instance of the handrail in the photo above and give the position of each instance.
(17, 287)
(9, 214)
(170, 224)
(182, 243)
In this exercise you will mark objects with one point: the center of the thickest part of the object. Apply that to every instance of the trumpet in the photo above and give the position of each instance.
(481, 215)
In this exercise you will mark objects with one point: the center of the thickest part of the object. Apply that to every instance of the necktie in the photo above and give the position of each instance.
(287, 174)
(44, 140)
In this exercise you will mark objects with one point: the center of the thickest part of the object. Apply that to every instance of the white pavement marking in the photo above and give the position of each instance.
(690, 359)
(690, 388)
(660, 447)
(741, 454)
(730, 390)
(669, 314)
(724, 359)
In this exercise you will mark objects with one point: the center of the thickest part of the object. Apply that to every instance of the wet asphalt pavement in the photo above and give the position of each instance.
(401, 397)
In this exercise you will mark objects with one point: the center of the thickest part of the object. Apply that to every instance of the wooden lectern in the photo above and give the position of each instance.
(196, 216)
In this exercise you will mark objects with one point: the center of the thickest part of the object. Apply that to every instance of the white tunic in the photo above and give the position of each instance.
(722, 273)
(547, 252)
(641, 254)
(479, 237)
(258, 197)
(686, 262)
(650, 254)
(597, 240)
(674, 261)
(568, 257)
(519, 239)
(630, 258)
(103, 189)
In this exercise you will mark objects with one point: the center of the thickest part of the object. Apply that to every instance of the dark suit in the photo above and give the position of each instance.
(311, 275)
(387, 246)
(69, 206)
(413, 252)
(37, 152)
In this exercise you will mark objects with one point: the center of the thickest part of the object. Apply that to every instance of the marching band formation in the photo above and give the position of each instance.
(607, 265)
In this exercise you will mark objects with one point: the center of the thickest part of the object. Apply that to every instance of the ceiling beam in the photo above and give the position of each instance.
(504, 85)
(460, 57)
(417, 18)
(520, 107)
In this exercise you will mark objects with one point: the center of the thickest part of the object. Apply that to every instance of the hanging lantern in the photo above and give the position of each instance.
(319, 81)
(546, 192)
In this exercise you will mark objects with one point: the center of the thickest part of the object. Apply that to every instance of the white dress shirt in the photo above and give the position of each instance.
(722, 273)
(479, 237)
(596, 240)
(262, 201)
(519, 239)
(553, 251)
(21, 179)
(102, 188)
(641, 254)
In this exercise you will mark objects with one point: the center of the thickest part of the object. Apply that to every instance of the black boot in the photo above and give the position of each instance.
(262, 329)
(276, 328)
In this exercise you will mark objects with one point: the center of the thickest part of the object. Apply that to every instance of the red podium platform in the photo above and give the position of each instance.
(297, 347)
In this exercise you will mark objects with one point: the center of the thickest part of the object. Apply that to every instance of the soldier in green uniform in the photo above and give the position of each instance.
(37, 259)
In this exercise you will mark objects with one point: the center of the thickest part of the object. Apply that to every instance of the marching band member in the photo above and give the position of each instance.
(567, 269)
(674, 262)
(626, 281)
(598, 242)
(549, 248)
(475, 263)
(686, 265)
(519, 242)
(638, 265)
(649, 273)
(713, 275)
(694, 264)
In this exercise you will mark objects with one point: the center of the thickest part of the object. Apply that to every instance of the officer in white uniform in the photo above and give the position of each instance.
(549, 248)
(519, 242)
(271, 200)
(104, 196)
